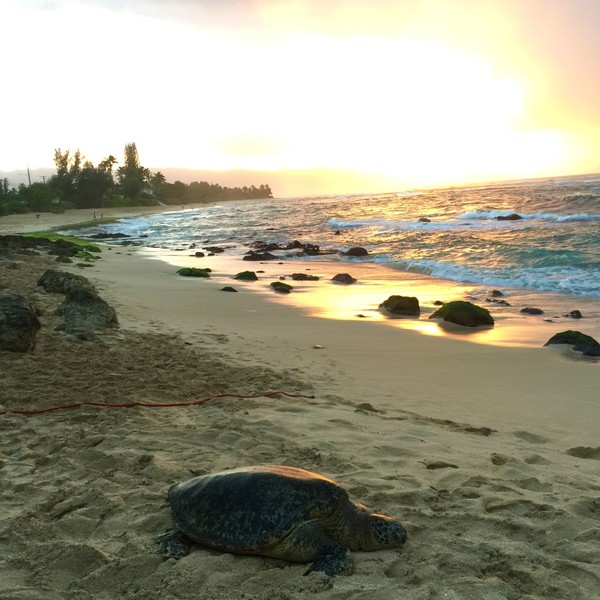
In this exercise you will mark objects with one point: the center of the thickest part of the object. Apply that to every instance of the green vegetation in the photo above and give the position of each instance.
(83, 245)
(194, 272)
(79, 184)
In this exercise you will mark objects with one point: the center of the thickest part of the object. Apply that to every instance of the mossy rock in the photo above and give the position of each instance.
(581, 342)
(463, 313)
(247, 276)
(401, 305)
(282, 288)
(194, 272)
(86, 255)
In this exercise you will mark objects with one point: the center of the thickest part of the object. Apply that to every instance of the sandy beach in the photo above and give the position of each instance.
(487, 454)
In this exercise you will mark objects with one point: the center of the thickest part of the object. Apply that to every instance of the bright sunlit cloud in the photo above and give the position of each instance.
(411, 92)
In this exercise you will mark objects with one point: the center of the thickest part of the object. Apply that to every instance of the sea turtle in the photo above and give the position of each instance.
(276, 511)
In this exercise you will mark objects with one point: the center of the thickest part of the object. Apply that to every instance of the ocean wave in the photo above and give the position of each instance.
(573, 280)
(486, 215)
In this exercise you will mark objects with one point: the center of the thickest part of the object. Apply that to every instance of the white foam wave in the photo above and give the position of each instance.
(571, 280)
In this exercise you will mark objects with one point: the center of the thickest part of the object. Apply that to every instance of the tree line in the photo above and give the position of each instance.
(77, 183)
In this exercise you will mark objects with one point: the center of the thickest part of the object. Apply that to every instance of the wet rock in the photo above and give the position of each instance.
(511, 217)
(424, 220)
(303, 277)
(252, 255)
(401, 305)
(356, 251)
(194, 272)
(228, 288)
(581, 342)
(463, 313)
(574, 314)
(344, 278)
(19, 324)
(530, 310)
(109, 236)
(246, 276)
(282, 288)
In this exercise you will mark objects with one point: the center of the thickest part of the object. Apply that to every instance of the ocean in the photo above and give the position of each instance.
(549, 255)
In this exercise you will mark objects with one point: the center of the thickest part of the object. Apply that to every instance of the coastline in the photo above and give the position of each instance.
(487, 454)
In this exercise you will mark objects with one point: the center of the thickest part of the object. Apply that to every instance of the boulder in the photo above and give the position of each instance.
(401, 305)
(574, 314)
(424, 220)
(247, 276)
(356, 251)
(344, 278)
(62, 282)
(282, 288)
(530, 310)
(303, 277)
(194, 272)
(252, 255)
(84, 310)
(463, 313)
(511, 217)
(581, 342)
(228, 288)
(19, 324)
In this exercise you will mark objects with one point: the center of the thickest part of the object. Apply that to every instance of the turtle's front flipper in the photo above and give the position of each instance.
(172, 544)
(333, 560)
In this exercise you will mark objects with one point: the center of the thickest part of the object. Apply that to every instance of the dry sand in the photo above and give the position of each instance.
(488, 455)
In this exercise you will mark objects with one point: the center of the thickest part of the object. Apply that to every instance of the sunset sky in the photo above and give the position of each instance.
(403, 93)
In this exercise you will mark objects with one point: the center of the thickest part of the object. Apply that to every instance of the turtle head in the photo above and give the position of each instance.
(385, 532)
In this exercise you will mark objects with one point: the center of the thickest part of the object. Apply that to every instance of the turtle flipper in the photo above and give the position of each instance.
(172, 544)
(333, 560)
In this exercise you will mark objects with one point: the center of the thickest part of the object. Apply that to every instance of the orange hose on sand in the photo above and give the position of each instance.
(40, 411)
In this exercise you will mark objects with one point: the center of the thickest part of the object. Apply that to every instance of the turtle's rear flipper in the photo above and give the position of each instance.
(172, 544)
(334, 560)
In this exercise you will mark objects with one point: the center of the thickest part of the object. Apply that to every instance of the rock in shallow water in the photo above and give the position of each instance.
(401, 305)
(463, 313)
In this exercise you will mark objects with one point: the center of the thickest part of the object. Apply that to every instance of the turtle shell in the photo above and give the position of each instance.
(252, 508)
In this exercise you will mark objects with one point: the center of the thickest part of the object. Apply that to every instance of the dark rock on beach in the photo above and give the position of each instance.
(530, 310)
(581, 342)
(18, 324)
(356, 251)
(282, 288)
(511, 217)
(401, 305)
(194, 272)
(83, 310)
(252, 255)
(424, 220)
(344, 278)
(303, 277)
(228, 288)
(108, 236)
(463, 313)
(574, 314)
(246, 276)
(62, 282)
(496, 294)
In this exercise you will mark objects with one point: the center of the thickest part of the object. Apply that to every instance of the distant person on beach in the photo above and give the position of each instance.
(94, 213)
